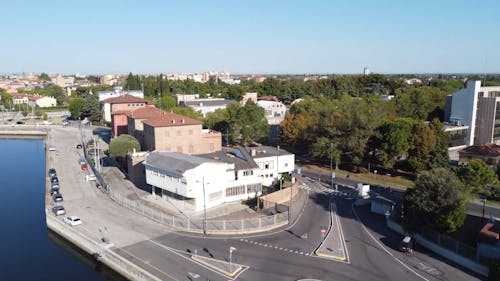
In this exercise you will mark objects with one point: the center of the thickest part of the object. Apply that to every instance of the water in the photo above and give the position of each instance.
(29, 251)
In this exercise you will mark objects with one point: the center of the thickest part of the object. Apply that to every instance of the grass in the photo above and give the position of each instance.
(373, 179)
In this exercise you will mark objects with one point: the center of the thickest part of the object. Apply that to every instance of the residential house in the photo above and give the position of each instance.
(120, 107)
(42, 101)
(177, 133)
(19, 99)
(272, 162)
(117, 92)
(135, 119)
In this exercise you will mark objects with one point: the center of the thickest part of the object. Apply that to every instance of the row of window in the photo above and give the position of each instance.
(179, 133)
(135, 104)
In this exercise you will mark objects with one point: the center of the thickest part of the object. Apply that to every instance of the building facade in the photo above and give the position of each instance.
(272, 162)
(199, 181)
(135, 127)
(478, 108)
(119, 108)
(176, 133)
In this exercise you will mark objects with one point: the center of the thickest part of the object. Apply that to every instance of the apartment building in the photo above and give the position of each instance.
(477, 108)
(135, 119)
(177, 133)
(120, 107)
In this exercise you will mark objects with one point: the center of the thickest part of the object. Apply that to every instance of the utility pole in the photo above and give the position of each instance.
(204, 209)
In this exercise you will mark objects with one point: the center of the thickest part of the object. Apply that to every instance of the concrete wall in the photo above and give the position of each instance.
(188, 139)
(485, 121)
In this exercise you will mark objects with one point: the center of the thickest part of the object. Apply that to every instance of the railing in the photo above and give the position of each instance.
(451, 244)
(250, 225)
(110, 258)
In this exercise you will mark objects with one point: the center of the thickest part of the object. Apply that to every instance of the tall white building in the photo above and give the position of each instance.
(478, 108)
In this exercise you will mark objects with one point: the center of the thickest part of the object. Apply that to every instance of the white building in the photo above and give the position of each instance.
(63, 81)
(207, 105)
(475, 107)
(202, 181)
(117, 92)
(42, 101)
(275, 111)
(272, 162)
(366, 71)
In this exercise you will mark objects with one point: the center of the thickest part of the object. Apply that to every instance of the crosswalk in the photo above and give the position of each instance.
(278, 248)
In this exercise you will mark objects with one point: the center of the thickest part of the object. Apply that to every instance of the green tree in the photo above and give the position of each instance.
(217, 120)
(166, 102)
(423, 142)
(395, 139)
(439, 157)
(437, 200)
(189, 112)
(76, 107)
(247, 122)
(44, 76)
(91, 108)
(56, 92)
(476, 175)
(123, 144)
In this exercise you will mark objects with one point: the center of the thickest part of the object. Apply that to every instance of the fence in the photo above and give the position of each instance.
(451, 244)
(249, 225)
(108, 257)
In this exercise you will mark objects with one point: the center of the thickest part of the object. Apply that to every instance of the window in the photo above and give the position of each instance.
(266, 165)
(234, 191)
(286, 164)
(248, 173)
(257, 187)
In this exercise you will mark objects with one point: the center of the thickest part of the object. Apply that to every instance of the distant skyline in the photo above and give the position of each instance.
(262, 37)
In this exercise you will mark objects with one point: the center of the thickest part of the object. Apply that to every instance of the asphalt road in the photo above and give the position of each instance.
(284, 254)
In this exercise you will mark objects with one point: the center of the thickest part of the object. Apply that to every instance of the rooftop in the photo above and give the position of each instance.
(125, 99)
(267, 151)
(170, 119)
(483, 150)
(237, 156)
(207, 102)
(146, 113)
(174, 161)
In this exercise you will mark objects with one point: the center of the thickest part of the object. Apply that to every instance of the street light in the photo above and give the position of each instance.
(482, 197)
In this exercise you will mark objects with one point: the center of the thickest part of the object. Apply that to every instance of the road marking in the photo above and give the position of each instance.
(152, 266)
(383, 248)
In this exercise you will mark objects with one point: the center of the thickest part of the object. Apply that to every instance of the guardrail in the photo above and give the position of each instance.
(107, 256)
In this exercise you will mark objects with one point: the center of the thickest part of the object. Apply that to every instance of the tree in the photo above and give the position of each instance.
(423, 142)
(217, 120)
(439, 156)
(91, 108)
(56, 92)
(76, 107)
(437, 200)
(44, 76)
(476, 175)
(166, 102)
(395, 139)
(247, 122)
(123, 144)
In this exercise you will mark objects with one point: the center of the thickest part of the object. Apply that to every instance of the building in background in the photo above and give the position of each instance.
(478, 108)
(119, 108)
(117, 92)
(135, 119)
(366, 71)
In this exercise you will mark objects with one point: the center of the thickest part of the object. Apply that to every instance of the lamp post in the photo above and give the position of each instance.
(204, 209)
(483, 199)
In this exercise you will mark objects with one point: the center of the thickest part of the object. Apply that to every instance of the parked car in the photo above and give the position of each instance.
(406, 245)
(81, 161)
(54, 179)
(52, 148)
(85, 167)
(57, 197)
(52, 172)
(72, 220)
(78, 146)
(54, 192)
(54, 185)
(58, 210)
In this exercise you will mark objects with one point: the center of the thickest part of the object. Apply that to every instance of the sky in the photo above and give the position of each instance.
(250, 36)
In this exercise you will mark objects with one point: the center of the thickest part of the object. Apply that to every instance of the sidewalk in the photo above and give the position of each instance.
(333, 245)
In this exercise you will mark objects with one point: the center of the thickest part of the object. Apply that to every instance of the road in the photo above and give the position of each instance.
(283, 254)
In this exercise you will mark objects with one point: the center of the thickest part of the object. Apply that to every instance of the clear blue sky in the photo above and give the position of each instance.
(250, 36)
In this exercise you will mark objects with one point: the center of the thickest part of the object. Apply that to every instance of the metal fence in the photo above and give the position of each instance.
(451, 244)
(249, 225)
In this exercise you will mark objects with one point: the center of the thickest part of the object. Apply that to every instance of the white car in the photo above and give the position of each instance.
(52, 148)
(72, 220)
(90, 178)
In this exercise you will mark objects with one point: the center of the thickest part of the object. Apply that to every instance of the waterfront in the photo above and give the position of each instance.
(30, 251)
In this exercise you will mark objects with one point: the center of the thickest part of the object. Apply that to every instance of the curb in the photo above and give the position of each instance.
(239, 267)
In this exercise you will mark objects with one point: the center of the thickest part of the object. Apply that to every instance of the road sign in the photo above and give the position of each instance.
(333, 175)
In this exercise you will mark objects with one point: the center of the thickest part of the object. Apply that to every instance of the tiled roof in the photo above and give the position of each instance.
(125, 99)
(483, 150)
(268, 98)
(121, 112)
(170, 119)
(145, 113)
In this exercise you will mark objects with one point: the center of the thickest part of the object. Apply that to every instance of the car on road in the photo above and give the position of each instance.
(57, 197)
(54, 185)
(72, 220)
(78, 146)
(54, 192)
(81, 161)
(85, 167)
(52, 172)
(54, 179)
(58, 210)
(52, 148)
(406, 245)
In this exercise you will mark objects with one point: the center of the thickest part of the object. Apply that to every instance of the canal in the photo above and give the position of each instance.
(29, 250)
